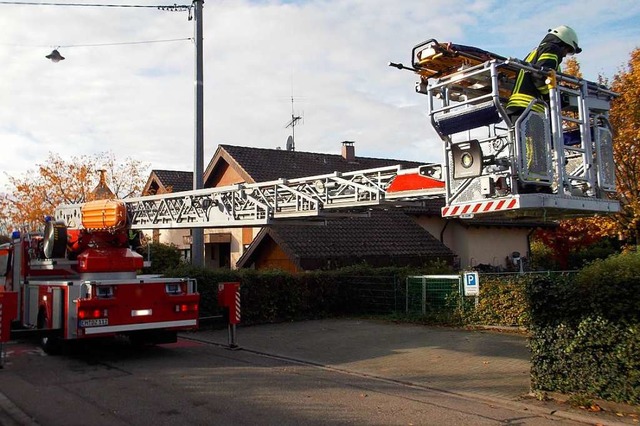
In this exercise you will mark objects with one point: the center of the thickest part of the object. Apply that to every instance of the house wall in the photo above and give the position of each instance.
(435, 225)
(225, 175)
(488, 245)
(169, 236)
(240, 240)
(477, 245)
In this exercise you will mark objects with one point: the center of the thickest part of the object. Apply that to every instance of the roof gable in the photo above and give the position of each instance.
(263, 164)
(162, 181)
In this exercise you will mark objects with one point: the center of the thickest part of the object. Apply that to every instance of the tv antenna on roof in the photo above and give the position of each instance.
(291, 140)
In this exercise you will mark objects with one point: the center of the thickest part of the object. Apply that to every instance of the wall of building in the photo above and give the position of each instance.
(271, 256)
(169, 236)
(488, 245)
(435, 226)
(240, 239)
(224, 175)
(477, 245)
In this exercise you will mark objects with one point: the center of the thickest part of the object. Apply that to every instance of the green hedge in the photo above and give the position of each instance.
(585, 331)
(273, 295)
(163, 257)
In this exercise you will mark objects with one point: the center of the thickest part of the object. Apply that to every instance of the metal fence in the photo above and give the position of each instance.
(379, 295)
(417, 295)
(432, 294)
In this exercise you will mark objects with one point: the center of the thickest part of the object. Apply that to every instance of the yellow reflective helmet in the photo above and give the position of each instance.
(568, 36)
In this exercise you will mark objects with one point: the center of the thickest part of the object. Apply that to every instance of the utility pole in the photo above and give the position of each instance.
(197, 234)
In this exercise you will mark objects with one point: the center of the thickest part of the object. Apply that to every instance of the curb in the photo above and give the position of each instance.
(11, 415)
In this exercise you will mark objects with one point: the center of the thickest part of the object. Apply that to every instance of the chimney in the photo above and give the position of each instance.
(348, 151)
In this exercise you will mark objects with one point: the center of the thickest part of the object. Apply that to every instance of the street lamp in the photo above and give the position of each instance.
(55, 56)
(197, 234)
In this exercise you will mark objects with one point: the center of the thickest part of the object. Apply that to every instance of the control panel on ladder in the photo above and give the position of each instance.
(552, 164)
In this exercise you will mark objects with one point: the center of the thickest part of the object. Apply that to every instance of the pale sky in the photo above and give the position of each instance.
(137, 99)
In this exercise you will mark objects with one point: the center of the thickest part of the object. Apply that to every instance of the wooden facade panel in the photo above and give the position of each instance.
(225, 175)
(247, 236)
(272, 256)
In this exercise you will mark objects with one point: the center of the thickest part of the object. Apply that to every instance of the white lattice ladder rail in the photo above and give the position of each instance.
(259, 203)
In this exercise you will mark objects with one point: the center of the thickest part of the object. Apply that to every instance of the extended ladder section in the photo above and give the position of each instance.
(257, 204)
(552, 164)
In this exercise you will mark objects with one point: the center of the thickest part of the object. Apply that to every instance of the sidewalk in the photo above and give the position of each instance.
(483, 363)
(489, 365)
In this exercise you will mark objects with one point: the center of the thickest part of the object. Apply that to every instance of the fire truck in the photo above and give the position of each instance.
(78, 280)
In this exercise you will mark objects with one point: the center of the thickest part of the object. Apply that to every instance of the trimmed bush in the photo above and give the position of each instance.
(274, 295)
(163, 257)
(502, 301)
(586, 331)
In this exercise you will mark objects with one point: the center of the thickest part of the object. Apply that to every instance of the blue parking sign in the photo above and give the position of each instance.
(471, 283)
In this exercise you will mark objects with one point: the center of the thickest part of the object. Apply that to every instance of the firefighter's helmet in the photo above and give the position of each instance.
(568, 36)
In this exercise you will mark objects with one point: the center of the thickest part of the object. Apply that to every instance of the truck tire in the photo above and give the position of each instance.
(51, 345)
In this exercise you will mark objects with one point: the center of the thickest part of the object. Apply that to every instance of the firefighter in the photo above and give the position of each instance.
(135, 239)
(558, 43)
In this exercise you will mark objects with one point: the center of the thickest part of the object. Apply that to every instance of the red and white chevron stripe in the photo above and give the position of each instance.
(237, 310)
(481, 207)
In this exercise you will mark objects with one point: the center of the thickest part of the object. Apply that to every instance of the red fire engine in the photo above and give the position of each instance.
(80, 282)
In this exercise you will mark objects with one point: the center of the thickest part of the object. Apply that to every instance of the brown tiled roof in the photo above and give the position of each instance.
(177, 179)
(264, 164)
(387, 237)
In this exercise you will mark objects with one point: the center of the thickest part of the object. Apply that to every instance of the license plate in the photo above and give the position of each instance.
(94, 322)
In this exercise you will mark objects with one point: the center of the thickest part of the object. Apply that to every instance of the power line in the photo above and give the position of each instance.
(126, 42)
(66, 46)
(141, 6)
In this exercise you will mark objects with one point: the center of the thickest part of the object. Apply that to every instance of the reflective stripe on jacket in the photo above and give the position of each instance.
(529, 87)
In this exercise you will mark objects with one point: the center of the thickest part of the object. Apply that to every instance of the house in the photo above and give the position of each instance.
(474, 241)
(382, 238)
(162, 182)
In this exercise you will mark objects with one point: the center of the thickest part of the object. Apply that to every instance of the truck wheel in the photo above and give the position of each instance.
(51, 345)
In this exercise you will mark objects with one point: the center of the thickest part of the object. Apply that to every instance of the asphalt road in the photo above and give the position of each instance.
(198, 381)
